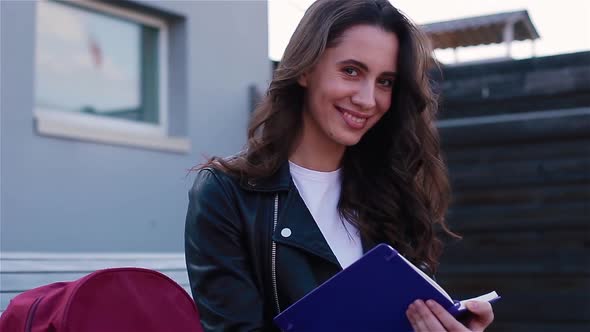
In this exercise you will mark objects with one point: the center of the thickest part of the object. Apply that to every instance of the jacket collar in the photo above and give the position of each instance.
(279, 181)
(303, 231)
(297, 228)
(294, 217)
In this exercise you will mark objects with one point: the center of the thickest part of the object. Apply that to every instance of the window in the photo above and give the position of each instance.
(101, 75)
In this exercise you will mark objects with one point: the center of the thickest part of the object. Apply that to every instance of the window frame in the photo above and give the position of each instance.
(94, 128)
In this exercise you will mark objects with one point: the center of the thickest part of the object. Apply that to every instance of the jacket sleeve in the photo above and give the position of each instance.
(217, 263)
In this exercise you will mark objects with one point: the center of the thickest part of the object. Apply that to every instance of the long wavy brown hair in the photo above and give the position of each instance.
(395, 186)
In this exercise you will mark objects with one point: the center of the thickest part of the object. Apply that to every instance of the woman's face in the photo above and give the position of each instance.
(350, 88)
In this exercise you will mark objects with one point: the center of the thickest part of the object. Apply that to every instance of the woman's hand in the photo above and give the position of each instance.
(432, 317)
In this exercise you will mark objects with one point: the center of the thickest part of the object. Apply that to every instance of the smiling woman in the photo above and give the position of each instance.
(349, 90)
(342, 154)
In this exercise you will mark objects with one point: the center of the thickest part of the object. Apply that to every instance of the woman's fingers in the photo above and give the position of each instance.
(423, 319)
(413, 318)
(445, 318)
(418, 323)
(432, 317)
(483, 315)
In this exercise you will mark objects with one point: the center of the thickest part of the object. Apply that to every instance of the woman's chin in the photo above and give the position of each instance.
(349, 140)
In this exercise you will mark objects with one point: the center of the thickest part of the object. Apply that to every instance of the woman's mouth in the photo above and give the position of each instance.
(353, 121)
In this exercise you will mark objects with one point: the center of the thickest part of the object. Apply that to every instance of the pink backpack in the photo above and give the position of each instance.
(113, 300)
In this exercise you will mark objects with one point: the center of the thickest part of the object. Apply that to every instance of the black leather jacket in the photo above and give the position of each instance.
(229, 227)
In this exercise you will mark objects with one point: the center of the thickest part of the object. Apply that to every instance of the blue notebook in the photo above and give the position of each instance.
(372, 294)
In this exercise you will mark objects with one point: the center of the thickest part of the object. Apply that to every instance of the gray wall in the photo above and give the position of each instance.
(68, 195)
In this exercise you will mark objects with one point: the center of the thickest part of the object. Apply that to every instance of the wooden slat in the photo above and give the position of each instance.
(466, 286)
(557, 251)
(520, 130)
(502, 325)
(521, 173)
(517, 212)
(567, 307)
(514, 197)
(473, 225)
(561, 260)
(516, 86)
(484, 155)
(514, 218)
(516, 269)
(521, 293)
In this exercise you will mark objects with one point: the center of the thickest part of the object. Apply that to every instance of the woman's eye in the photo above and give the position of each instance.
(386, 82)
(350, 71)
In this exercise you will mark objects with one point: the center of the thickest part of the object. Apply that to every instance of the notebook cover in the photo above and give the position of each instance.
(372, 294)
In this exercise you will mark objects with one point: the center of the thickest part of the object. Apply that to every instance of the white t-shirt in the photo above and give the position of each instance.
(320, 192)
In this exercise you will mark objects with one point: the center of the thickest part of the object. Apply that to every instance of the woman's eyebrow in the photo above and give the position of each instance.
(364, 66)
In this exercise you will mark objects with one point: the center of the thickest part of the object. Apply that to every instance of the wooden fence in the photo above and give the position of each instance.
(521, 185)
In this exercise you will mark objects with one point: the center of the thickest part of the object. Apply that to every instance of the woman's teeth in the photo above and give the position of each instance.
(354, 118)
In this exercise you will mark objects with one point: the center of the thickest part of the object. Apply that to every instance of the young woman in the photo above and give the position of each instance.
(342, 154)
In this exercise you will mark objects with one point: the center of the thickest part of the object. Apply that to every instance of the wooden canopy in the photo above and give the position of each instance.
(482, 30)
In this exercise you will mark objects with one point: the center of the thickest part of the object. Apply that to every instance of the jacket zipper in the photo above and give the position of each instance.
(31, 314)
(274, 255)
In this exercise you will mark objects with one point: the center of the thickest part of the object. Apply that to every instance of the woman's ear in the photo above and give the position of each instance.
(302, 80)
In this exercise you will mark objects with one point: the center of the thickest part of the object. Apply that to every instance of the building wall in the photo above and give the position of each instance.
(67, 195)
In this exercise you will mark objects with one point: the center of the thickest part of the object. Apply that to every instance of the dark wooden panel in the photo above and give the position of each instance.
(526, 130)
(509, 197)
(559, 308)
(521, 186)
(519, 268)
(484, 155)
(533, 326)
(520, 173)
(538, 83)
(466, 286)
(563, 297)
(522, 104)
(518, 217)
(528, 167)
(469, 226)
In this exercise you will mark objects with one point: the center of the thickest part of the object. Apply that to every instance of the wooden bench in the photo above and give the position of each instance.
(23, 271)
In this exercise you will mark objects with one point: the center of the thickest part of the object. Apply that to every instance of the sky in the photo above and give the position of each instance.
(564, 25)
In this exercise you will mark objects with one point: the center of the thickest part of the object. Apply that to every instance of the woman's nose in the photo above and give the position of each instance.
(365, 96)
